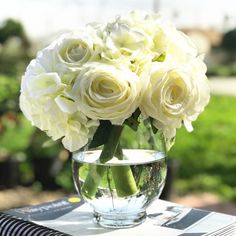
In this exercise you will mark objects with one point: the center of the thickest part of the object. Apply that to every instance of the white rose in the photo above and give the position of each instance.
(176, 94)
(74, 49)
(67, 54)
(104, 92)
(46, 62)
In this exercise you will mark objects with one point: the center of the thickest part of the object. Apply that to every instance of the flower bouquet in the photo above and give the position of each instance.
(87, 86)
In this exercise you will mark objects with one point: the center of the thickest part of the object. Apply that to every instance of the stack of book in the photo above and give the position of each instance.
(71, 216)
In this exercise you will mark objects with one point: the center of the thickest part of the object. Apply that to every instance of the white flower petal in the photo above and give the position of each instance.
(66, 104)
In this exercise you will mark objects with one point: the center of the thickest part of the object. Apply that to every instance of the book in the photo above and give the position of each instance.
(72, 216)
(10, 225)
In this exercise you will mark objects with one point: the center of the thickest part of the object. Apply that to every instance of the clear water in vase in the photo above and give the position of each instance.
(114, 204)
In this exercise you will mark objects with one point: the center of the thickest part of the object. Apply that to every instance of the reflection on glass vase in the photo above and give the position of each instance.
(120, 189)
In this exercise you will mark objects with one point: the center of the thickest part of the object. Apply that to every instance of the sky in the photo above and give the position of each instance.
(42, 18)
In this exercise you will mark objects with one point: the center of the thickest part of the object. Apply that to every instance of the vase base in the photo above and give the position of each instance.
(119, 220)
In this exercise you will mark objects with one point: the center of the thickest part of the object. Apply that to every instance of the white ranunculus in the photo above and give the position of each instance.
(176, 94)
(104, 92)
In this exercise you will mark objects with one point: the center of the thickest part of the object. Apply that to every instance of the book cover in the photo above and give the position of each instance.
(71, 216)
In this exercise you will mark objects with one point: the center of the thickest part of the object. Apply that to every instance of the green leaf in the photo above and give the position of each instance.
(132, 121)
(154, 129)
(49, 143)
(160, 58)
(102, 134)
(169, 143)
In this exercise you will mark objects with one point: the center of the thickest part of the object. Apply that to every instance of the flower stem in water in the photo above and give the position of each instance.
(122, 175)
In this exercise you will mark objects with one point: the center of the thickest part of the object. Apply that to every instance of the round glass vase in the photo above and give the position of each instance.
(121, 188)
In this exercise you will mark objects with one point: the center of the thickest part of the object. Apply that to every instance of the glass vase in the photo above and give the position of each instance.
(120, 189)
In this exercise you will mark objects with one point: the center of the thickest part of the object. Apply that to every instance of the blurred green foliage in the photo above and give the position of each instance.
(225, 60)
(228, 41)
(14, 48)
(207, 156)
(224, 70)
(41, 146)
(15, 131)
(19, 140)
(15, 134)
(9, 93)
(12, 28)
(64, 178)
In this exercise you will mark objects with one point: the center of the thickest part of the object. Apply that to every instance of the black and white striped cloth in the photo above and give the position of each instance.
(12, 226)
